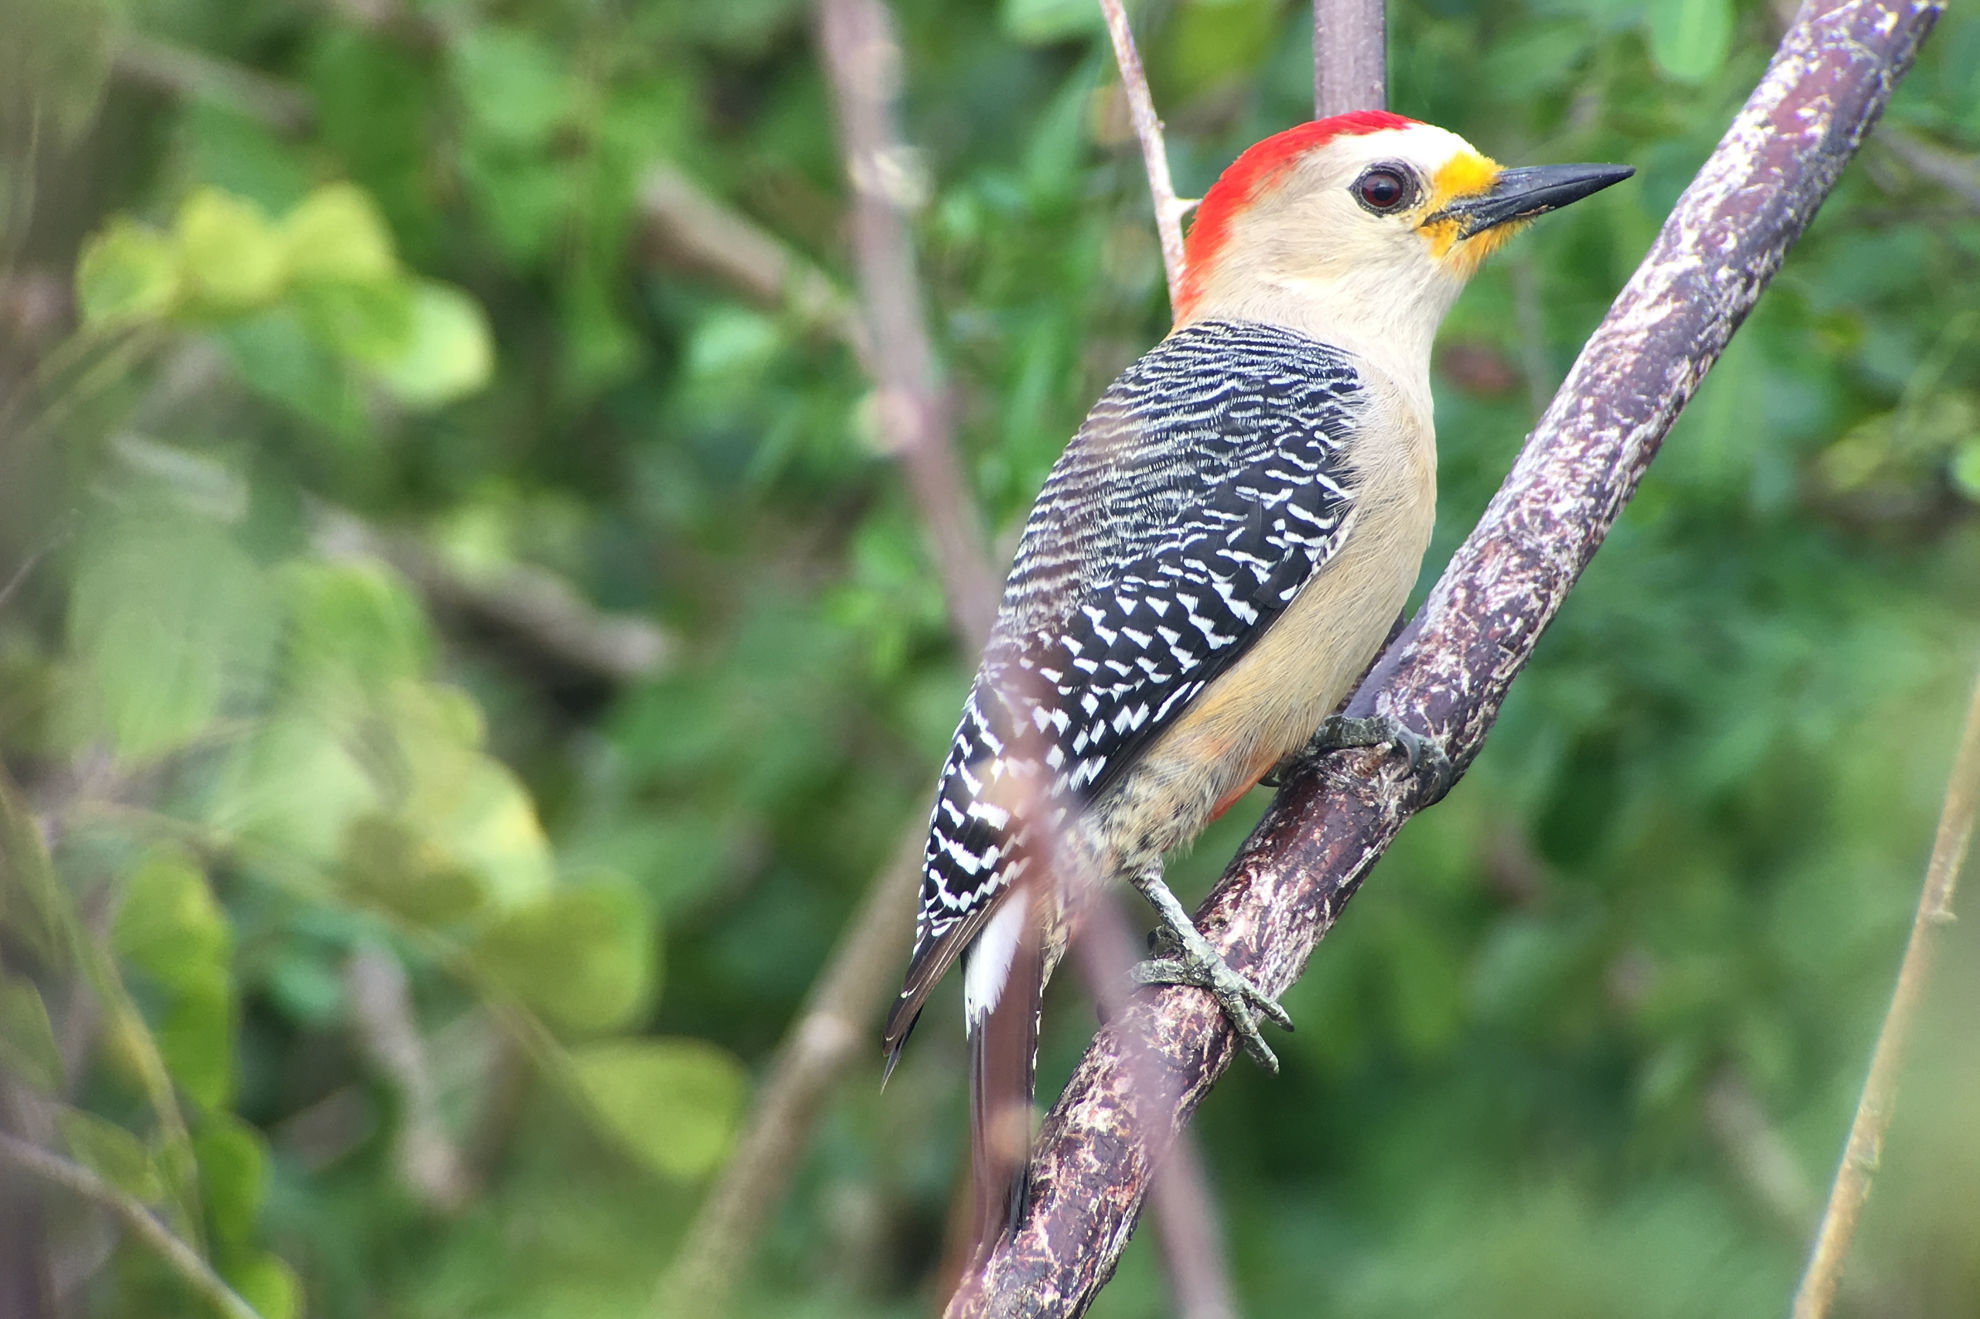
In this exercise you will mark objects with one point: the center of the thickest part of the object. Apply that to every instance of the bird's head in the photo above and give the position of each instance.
(1361, 227)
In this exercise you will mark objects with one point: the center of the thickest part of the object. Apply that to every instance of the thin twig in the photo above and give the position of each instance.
(1451, 669)
(532, 605)
(1350, 69)
(181, 71)
(182, 1258)
(1169, 209)
(863, 64)
(382, 1017)
(862, 61)
(834, 1027)
(1873, 1110)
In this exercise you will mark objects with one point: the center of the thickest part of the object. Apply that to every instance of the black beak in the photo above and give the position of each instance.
(1519, 194)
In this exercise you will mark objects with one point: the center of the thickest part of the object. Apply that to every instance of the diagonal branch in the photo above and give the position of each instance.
(180, 1257)
(1865, 1147)
(1450, 670)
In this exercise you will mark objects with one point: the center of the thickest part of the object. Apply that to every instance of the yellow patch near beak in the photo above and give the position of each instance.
(1464, 175)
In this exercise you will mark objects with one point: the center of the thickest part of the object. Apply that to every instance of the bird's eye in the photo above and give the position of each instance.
(1381, 189)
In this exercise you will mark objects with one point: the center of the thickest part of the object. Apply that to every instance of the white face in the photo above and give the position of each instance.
(1344, 244)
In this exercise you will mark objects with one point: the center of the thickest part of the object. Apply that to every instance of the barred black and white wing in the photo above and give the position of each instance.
(1206, 487)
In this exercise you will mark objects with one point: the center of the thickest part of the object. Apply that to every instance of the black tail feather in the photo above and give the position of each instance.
(1003, 1064)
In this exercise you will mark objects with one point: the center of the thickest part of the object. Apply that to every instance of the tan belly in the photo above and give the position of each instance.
(1270, 701)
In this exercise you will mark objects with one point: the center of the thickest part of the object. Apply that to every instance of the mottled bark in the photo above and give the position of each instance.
(1449, 671)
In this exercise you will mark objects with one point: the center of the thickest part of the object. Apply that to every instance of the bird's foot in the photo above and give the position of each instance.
(1185, 957)
(1424, 756)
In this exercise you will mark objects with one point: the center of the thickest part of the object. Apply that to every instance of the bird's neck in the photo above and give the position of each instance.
(1388, 326)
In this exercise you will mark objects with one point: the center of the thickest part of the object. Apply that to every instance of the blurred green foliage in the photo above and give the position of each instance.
(408, 958)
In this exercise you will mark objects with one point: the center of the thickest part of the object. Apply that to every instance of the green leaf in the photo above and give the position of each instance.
(167, 615)
(393, 865)
(234, 260)
(267, 1283)
(168, 925)
(512, 86)
(1689, 39)
(583, 956)
(368, 324)
(112, 1153)
(1966, 469)
(337, 233)
(170, 928)
(127, 274)
(1040, 22)
(196, 1036)
(675, 1104)
(27, 1042)
(450, 353)
(354, 626)
(233, 1161)
(32, 907)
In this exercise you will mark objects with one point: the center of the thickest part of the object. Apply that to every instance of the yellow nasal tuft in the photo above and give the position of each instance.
(1463, 174)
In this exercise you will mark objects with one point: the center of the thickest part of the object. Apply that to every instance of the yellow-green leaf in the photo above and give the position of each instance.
(584, 956)
(674, 1104)
(232, 1168)
(168, 925)
(267, 1283)
(233, 258)
(112, 1153)
(27, 1042)
(127, 274)
(450, 353)
(167, 617)
(337, 233)
(390, 863)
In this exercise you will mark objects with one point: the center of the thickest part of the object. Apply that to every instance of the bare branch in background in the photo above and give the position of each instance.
(532, 605)
(863, 64)
(862, 59)
(1873, 1110)
(683, 222)
(1350, 47)
(835, 1027)
(181, 1258)
(1169, 210)
(1957, 174)
(430, 1164)
(181, 71)
(1451, 668)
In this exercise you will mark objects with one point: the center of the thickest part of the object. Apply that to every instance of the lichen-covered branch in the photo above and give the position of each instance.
(1450, 670)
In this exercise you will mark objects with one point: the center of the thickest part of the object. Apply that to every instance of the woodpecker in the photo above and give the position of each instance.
(1213, 561)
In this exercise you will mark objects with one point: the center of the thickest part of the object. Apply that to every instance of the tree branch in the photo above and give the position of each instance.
(1451, 668)
(1349, 57)
(1169, 210)
(863, 63)
(834, 1028)
(1879, 1099)
(680, 219)
(180, 1257)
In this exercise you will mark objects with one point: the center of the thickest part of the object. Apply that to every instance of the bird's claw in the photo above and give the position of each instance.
(1242, 1001)
(1424, 756)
